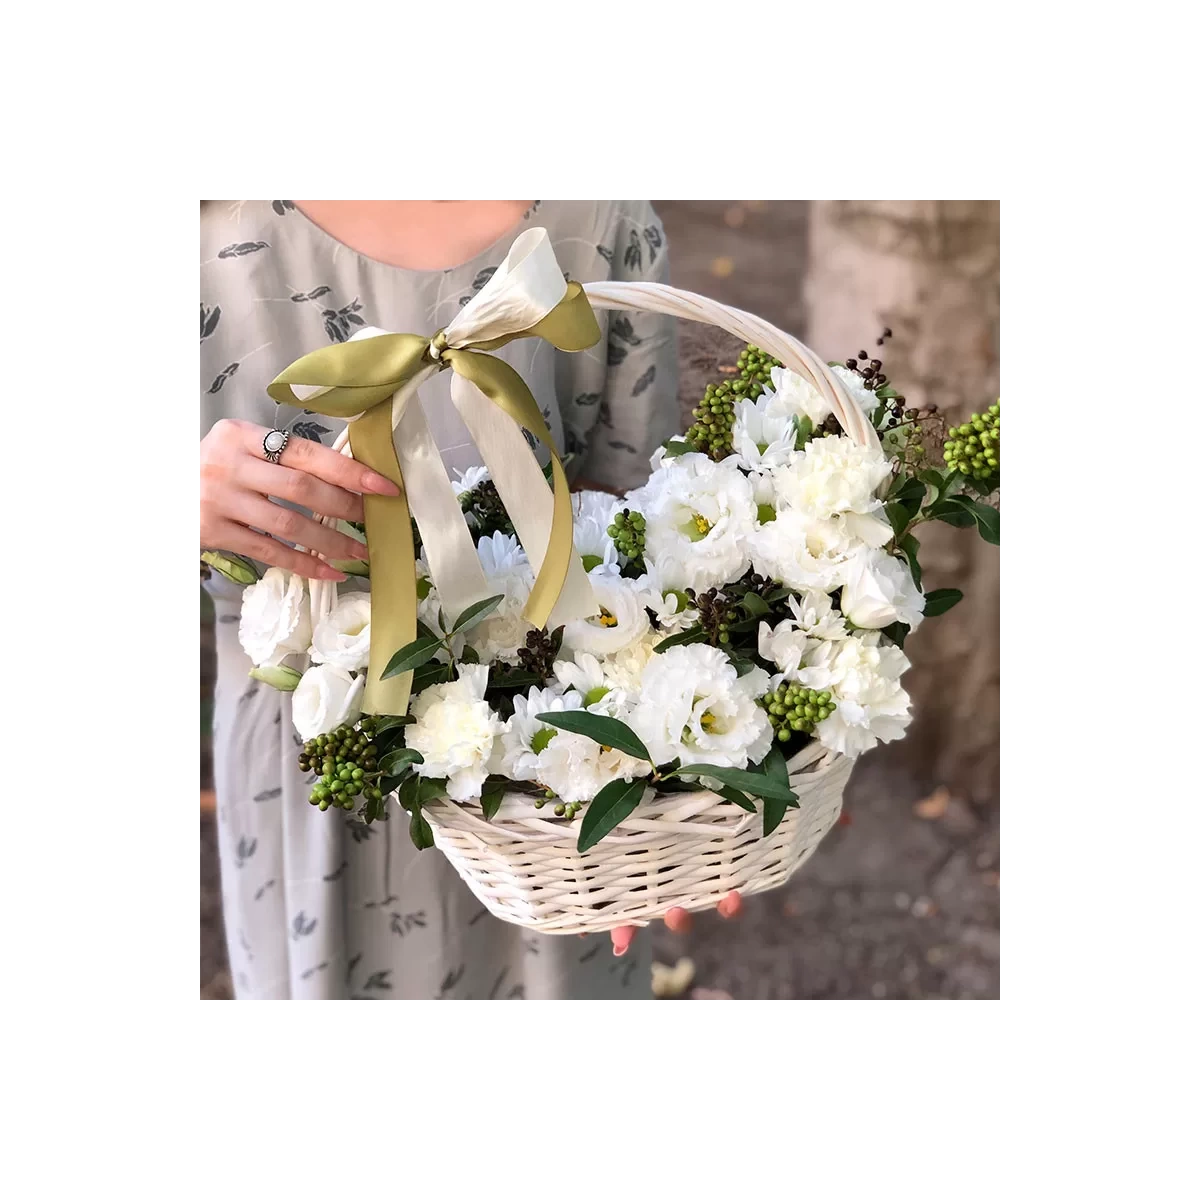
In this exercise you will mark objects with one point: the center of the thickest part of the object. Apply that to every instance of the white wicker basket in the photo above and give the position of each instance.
(686, 850)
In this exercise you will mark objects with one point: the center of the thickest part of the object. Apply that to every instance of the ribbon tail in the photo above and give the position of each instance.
(393, 577)
(487, 394)
(454, 566)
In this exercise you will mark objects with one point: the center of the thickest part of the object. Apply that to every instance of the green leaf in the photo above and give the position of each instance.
(493, 792)
(743, 666)
(474, 613)
(735, 797)
(419, 830)
(676, 448)
(394, 761)
(755, 605)
(383, 724)
(897, 631)
(804, 430)
(611, 805)
(469, 655)
(408, 658)
(898, 515)
(591, 561)
(941, 600)
(956, 517)
(406, 794)
(988, 520)
(747, 781)
(695, 634)
(887, 392)
(513, 679)
(424, 631)
(773, 810)
(909, 546)
(777, 594)
(776, 766)
(608, 731)
(433, 672)
(906, 488)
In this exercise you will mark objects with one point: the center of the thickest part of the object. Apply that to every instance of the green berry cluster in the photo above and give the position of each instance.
(793, 709)
(755, 367)
(346, 765)
(973, 448)
(560, 809)
(628, 532)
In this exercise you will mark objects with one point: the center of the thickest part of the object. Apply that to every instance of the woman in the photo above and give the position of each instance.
(319, 906)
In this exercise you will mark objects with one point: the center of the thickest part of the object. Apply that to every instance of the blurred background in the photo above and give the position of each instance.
(901, 901)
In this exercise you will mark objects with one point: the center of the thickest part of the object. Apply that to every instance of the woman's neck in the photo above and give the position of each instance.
(421, 235)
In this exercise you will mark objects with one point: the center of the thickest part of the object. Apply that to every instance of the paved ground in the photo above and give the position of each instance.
(902, 902)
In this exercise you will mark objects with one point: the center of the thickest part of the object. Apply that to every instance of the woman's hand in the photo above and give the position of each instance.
(236, 482)
(677, 920)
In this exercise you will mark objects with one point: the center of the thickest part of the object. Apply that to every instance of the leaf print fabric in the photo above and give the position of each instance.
(319, 908)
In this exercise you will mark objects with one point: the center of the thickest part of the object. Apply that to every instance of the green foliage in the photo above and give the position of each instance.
(607, 731)
(415, 654)
(941, 600)
(474, 613)
(611, 805)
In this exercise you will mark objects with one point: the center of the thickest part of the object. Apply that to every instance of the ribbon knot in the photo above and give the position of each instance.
(372, 381)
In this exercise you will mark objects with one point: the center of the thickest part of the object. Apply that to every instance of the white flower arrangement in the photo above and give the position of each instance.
(754, 596)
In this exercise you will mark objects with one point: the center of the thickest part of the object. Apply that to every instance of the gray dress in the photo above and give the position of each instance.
(317, 905)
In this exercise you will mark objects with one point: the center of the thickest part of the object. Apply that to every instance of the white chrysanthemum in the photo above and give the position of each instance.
(803, 552)
(762, 439)
(831, 476)
(508, 573)
(515, 755)
(864, 679)
(880, 589)
(468, 479)
(597, 688)
(622, 619)
(343, 637)
(792, 394)
(454, 731)
(693, 706)
(813, 617)
(862, 396)
(672, 610)
(575, 767)
(429, 604)
(698, 515)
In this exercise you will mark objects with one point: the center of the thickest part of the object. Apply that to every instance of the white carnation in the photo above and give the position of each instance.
(454, 731)
(515, 755)
(343, 637)
(831, 476)
(879, 589)
(698, 516)
(763, 439)
(621, 621)
(693, 706)
(326, 697)
(509, 574)
(864, 680)
(275, 620)
(853, 383)
(792, 394)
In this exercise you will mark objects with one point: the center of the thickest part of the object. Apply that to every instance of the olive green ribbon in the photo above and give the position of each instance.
(370, 383)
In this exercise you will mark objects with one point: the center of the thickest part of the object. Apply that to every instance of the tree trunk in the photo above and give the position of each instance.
(930, 271)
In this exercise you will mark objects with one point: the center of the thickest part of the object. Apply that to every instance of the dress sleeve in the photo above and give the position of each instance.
(636, 408)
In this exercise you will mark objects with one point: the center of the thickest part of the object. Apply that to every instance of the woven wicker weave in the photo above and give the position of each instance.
(686, 850)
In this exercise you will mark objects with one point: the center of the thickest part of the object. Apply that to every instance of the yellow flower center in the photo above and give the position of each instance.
(708, 722)
(702, 525)
(606, 618)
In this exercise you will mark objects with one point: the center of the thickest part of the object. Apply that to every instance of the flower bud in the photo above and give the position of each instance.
(283, 679)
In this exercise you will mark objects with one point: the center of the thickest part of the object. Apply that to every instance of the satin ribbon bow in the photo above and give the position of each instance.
(372, 381)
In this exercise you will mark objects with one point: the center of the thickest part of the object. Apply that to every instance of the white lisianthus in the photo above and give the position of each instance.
(515, 755)
(275, 620)
(472, 477)
(831, 476)
(879, 589)
(592, 517)
(502, 633)
(698, 516)
(455, 731)
(343, 638)
(693, 706)
(763, 439)
(622, 619)
(803, 552)
(575, 767)
(864, 679)
(326, 697)
(862, 396)
(791, 394)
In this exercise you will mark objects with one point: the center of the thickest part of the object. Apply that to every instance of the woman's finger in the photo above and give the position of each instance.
(301, 454)
(621, 937)
(678, 920)
(731, 906)
(254, 510)
(228, 535)
(298, 487)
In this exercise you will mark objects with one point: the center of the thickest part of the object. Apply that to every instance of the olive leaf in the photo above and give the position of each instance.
(608, 731)
(610, 806)
(408, 658)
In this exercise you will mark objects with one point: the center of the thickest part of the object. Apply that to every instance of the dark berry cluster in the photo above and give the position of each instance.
(716, 615)
(793, 709)
(346, 765)
(485, 510)
(539, 652)
(628, 532)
